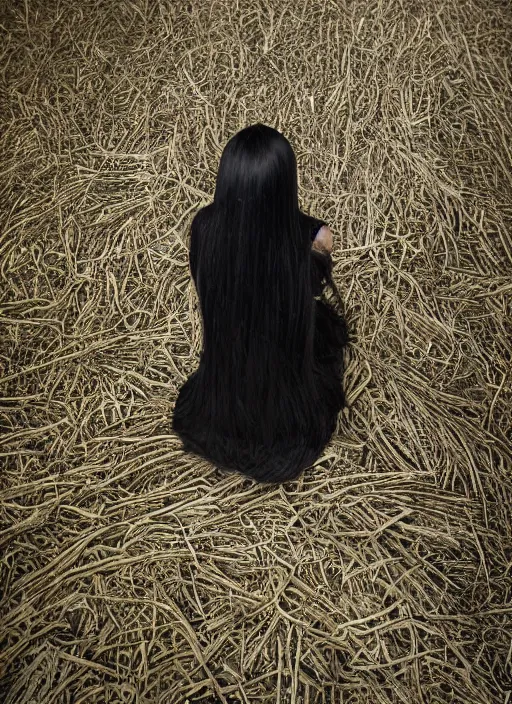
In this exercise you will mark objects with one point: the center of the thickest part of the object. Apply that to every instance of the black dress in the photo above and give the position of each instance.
(329, 339)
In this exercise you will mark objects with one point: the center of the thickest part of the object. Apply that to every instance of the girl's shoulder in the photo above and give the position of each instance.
(311, 224)
(198, 220)
(203, 212)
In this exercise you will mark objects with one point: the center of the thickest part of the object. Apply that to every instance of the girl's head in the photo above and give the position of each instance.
(257, 165)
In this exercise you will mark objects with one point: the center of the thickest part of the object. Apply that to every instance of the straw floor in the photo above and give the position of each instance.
(134, 573)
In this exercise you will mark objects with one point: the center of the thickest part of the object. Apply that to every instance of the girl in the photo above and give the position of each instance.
(264, 399)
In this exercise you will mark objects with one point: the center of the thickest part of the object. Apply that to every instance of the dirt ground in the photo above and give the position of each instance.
(132, 573)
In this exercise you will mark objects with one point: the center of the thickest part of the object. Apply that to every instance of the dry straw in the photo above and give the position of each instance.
(132, 572)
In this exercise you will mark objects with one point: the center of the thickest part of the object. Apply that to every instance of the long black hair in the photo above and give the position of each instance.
(261, 402)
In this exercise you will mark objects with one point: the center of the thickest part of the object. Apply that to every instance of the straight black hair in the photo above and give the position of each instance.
(261, 402)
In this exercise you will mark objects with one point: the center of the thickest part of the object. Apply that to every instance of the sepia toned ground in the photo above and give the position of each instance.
(132, 573)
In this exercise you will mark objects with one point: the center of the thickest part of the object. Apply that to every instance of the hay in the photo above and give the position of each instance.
(132, 572)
